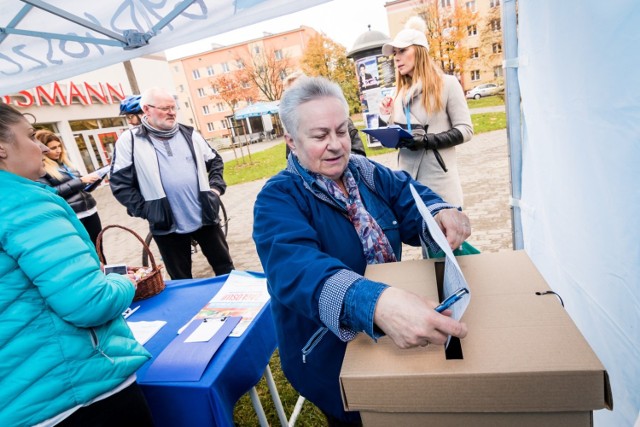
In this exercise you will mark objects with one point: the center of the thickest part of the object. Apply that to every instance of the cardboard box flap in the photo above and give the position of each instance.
(522, 353)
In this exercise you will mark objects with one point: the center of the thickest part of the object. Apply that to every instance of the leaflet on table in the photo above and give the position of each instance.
(453, 277)
(242, 295)
(143, 331)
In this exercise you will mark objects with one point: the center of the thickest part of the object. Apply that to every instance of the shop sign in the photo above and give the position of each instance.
(66, 94)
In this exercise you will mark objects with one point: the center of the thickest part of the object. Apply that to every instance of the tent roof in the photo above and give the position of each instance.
(44, 41)
(258, 109)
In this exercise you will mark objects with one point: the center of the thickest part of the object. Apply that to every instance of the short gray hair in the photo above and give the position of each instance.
(305, 90)
(149, 96)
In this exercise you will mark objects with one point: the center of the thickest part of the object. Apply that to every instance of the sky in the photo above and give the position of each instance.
(341, 20)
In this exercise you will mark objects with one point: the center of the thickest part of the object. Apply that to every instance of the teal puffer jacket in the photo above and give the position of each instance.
(63, 340)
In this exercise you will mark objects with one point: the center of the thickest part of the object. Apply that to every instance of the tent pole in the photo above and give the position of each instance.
(131, 76)
(514, 125)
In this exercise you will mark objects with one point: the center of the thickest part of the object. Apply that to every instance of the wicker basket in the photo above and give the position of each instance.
(148, 286)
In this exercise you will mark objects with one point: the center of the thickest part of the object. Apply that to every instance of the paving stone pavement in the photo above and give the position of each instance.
(483, 164)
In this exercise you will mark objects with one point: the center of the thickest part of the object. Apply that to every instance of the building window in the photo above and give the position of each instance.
(472, 30)
(181, 88)
(224, 124)
(471, 5)
(210, 71)
(205, 110)
(245, 84)
(473, 52)
(196, 74)
(225, 67)
(475, 75)
(214, 90)
(497, 71)
(494, 3)
(278, 54)
(186, 104)
(256, 50)
(495, 25)
(210, 127)
(497, 47)
(201, 93)
(220, 106)
(283, 74)
(240, 64)
(445, 3)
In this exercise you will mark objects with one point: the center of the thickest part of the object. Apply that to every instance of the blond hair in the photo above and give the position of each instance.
(425, 71)
(52, 167)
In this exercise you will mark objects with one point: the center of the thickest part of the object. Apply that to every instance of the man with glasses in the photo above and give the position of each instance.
(166, 173)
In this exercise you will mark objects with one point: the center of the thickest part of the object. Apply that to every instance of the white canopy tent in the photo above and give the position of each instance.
(43, 41)
(574, 165)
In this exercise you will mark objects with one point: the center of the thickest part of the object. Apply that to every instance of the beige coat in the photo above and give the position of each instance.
(422, 164)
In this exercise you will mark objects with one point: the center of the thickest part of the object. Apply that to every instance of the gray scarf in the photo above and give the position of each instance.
(163, 134)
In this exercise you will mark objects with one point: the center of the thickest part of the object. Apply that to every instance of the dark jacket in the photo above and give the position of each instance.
(72, 190)
(136, 178)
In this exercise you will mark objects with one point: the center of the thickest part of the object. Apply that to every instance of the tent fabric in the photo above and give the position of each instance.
(44, 41)
(580, 193)
(257, 109)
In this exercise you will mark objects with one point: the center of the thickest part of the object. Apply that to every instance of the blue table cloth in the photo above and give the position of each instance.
(237, 366)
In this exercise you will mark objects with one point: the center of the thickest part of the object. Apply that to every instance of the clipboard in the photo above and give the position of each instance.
(389, 136)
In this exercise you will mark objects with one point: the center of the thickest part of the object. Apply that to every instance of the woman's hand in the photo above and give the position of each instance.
(88, 179)
(385, 105)
(411, 321)
(455, 225)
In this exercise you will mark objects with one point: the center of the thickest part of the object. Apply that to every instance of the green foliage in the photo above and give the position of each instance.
(487, 122)
(264, 164)
(325, 57)
(244, 414)
(487, 101)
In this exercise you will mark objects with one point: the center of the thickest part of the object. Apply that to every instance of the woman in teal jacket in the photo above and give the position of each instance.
(66, 354)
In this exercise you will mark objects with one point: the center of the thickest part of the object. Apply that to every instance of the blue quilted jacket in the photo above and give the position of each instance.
(63, 340)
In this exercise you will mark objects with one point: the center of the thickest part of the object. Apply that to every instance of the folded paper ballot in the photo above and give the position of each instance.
(187, 356)
(102, 172)
(388, 136)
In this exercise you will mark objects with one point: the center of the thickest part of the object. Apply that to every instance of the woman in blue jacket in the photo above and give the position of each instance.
(317, 225)
(67, 356)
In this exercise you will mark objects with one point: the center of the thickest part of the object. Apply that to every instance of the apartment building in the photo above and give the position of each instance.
(483, 36)
(196, 78)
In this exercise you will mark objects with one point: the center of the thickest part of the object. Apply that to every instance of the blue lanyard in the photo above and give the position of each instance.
(407, 113)
(65, 168)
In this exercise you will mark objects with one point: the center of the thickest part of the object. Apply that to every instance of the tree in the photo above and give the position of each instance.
(490, 31)
(266, 70)
(325, 57)
(447, 29)
(233, 89)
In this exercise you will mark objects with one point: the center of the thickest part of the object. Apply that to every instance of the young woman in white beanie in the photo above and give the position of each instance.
(432, 106)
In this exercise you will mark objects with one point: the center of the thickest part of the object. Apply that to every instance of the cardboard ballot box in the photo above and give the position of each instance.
(523, 362)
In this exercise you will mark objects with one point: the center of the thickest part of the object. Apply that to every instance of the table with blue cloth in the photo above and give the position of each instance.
(235, 368)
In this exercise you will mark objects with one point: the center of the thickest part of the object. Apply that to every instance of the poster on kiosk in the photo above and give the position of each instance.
(376, 79)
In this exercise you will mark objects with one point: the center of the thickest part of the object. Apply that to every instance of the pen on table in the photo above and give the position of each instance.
(128, 312)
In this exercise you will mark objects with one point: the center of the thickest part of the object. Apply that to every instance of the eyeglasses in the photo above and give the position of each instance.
(163, 109)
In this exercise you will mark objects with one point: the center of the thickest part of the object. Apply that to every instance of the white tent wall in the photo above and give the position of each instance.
(31, 60)
(578, 77)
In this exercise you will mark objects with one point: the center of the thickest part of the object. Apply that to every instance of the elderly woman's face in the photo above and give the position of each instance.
(323, 144)
(23, 156)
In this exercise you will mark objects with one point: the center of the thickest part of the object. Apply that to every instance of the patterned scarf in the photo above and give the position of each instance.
(375, 245)
(158, 133)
